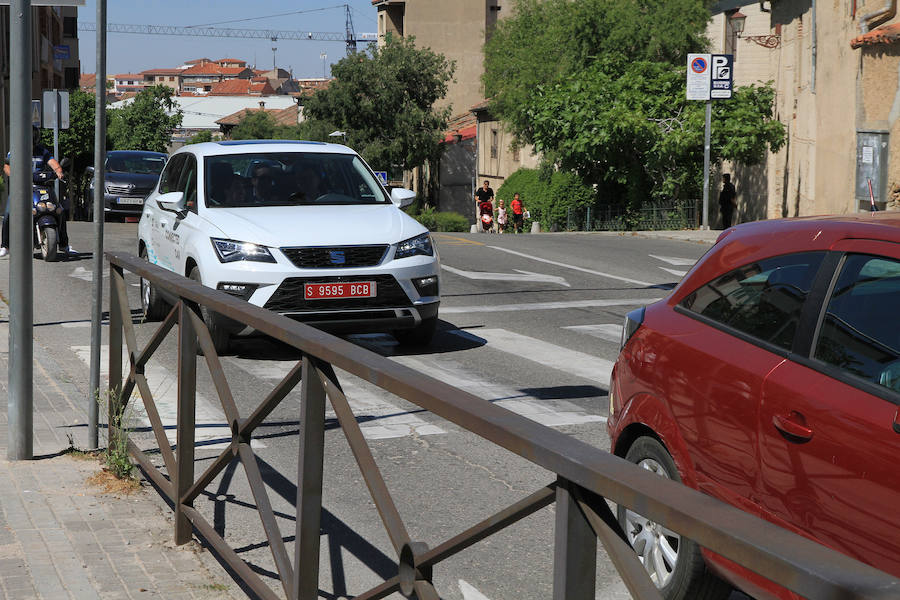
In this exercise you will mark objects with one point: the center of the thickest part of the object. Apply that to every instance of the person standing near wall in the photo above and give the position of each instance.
(727, 201)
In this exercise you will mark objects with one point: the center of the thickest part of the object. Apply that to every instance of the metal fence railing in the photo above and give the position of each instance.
(649, 217)
(584, 477)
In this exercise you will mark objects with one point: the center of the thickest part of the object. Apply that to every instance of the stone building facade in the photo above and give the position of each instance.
(834, 66)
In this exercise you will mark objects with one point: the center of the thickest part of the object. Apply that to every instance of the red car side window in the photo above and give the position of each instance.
(860, 333)
(762, 299)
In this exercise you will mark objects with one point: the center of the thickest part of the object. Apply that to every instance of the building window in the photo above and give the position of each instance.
(494, 144)
(171, 78)
(70, 27)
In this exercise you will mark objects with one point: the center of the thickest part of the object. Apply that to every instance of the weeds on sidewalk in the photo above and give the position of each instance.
(120, 425)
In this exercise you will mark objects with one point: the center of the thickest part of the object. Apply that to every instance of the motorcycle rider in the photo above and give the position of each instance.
(40, 157)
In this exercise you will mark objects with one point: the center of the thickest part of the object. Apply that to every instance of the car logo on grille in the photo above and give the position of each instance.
(337, 257)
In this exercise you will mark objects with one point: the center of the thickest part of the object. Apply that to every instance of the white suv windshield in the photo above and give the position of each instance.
(289, 179)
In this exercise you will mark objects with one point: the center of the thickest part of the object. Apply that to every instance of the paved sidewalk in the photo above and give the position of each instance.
(62, 537)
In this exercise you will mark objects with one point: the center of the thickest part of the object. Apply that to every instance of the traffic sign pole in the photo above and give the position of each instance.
(706, 136)
(99, 187)
(20, 406)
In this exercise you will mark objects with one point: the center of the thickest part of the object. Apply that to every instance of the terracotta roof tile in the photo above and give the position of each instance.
(197, 61)
(203, 69)
(232, 60)
(241, 87)
(282, 116)
(162, 72)
(886, 34)
(87, 80)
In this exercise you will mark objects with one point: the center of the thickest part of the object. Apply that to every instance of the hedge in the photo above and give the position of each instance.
(547, 201)
(442, 221)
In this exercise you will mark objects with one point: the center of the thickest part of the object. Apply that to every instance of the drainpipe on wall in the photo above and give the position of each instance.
(812, 72)
(875, 18)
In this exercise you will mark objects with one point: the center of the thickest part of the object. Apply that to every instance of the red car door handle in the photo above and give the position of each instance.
(793, 427)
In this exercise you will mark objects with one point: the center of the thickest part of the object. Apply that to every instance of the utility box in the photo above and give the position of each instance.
(871, 168)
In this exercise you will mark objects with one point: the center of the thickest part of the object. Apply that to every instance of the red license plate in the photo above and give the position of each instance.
(324, 291)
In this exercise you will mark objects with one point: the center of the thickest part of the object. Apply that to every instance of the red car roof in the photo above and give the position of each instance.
(761, 239)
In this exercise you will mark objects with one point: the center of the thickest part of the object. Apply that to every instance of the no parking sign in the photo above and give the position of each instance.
(709, 76)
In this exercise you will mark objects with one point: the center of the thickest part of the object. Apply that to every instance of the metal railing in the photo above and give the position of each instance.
(585, 476)
(651, 216)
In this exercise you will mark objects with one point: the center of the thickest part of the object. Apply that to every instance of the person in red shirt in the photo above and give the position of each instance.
(518, 210)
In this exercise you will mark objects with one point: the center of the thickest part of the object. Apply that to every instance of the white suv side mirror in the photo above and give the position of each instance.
(402, 197)
(173, 201)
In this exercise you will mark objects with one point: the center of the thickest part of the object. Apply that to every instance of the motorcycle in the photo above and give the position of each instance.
(47, 214)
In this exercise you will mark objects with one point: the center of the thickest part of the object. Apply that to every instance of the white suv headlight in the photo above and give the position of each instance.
(421, 244)
(231, 251)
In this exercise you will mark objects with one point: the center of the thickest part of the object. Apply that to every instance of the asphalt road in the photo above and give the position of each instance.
(530, 322)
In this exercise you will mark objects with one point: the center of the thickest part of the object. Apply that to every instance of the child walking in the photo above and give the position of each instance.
(501, 217)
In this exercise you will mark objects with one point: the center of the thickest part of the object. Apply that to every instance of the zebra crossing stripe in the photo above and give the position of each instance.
(378, 418)
(572, 362)
(449, 310)
(606, 331)
(212, 430)
(552, 413)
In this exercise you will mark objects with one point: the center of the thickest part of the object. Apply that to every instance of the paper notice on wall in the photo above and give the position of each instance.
(868, 155)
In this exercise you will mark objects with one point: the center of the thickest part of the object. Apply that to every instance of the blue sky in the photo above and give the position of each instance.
(131, 53)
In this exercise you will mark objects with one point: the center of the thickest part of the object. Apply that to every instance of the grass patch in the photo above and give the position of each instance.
(111, 483)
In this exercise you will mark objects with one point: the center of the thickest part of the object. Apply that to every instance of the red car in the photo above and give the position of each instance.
(770, 379)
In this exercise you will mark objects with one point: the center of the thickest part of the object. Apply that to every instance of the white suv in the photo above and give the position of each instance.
(302, 228)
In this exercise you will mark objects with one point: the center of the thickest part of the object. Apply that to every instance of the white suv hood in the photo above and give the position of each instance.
(315, 225)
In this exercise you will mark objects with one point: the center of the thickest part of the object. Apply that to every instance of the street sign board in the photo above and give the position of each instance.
(721, 76)
(36, 113)
(698, 79)
(61, 52)
(56, 101)
(382, 176)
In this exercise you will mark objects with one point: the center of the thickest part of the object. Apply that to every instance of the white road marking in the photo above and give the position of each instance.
(75, 324)
(573, 362)
(575, 268)
(86, 275)
(674, 271)
(552, 413)
(449, 310)
(519, 276)
(605, 331)
(212, 431)
(675, 260)
(469, 592)
(378, 419)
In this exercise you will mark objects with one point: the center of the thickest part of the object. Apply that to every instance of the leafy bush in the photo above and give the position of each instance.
(548, 201)
(451, 221)
(200, 137)
(442, 221)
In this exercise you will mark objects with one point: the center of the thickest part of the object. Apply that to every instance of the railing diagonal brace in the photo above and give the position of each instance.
(267, 516)
(623, 556)
(157, 338)
(215, 369)
(278, 394)
(159, 431)
(378, 489)
(497, 522)
(127, 325)
(211, 472)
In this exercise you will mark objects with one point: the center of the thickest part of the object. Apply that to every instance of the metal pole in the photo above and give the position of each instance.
(706, 165)
(56, 108)
(99, 188)
(20, 407)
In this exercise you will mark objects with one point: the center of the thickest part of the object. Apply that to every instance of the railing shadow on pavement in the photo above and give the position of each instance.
(586, 477)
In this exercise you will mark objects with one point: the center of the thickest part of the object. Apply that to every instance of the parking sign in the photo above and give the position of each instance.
(721, 76)
(698, 76)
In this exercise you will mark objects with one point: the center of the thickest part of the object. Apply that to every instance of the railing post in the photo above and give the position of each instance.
(187, 397)
(575, 549)
(309, 483)
(114, 386)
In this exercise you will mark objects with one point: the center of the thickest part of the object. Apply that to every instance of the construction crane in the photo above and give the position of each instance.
(348, 37)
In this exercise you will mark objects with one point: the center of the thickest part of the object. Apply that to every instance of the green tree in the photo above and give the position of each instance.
(77, 142)
(200, 137)
(548, 41)
(146, 123)
(629, 128)
(255, 125)
(383, 99)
